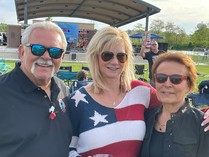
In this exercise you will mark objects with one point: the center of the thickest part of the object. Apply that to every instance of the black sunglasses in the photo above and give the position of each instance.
(107, 55)
(39, 50)
(175, 78)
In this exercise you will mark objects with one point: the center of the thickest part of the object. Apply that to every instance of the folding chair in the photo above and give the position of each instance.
(200, 98)
(75, 85)
(66, 76)
(140, 70)
(3, 67)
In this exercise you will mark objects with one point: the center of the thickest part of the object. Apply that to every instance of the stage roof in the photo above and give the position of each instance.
(113, 12)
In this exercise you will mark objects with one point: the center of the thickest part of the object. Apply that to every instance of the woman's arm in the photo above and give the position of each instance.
(206, 117)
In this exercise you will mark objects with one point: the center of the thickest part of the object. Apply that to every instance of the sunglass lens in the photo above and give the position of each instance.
(122, 57)
(161, 78)
(38, 50)
(55, 52)
(106, 56)
(176, 79)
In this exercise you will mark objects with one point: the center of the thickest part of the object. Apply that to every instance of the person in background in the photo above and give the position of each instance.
(83, 44)
(108, 114)
(150, 56)
(82, 80)
(33, 117)
(206, 54)
(174, 129)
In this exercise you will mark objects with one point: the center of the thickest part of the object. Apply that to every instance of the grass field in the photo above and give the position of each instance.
(203, 70)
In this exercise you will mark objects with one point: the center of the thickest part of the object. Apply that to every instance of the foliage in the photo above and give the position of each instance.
(157, 26)
(48, 19)
(176, 37)
(3, 27)
(200, 38)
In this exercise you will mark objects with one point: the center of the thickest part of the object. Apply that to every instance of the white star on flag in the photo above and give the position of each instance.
(79, 97)
(98, 118)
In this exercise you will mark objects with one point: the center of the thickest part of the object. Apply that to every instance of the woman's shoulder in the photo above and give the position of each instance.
(135, 83)
(197, 112)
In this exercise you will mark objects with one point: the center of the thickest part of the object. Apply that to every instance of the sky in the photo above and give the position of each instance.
(184, 13)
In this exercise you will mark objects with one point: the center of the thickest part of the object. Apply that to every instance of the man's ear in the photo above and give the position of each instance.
(21, 51)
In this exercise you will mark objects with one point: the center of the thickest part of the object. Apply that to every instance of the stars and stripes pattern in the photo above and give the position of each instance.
(98, 129)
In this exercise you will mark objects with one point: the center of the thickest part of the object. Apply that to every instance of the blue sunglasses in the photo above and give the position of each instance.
(39, 50)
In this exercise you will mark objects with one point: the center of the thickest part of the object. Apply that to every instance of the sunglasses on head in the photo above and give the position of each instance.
(107, 56)
(175, 78)
(39, 50)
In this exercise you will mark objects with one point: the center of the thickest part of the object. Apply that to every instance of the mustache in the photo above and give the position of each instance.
(44, 62)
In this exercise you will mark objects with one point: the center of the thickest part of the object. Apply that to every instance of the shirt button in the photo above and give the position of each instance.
(169, 145)
(45, 96)
(171, 134)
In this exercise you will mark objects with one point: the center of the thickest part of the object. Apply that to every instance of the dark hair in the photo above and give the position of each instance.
(82, 75)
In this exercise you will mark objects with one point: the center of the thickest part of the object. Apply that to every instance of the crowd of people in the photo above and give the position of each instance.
(115, 114)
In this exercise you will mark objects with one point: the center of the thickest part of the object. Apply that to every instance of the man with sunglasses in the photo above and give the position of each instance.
(150, 56)
(33, 117)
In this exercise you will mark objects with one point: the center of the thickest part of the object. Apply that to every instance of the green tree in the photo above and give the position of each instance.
(157, 26)
(3, 27)
(200, 38)
(48, 19)
(139, 28)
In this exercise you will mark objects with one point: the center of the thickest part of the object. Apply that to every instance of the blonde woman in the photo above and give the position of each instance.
(108, 115)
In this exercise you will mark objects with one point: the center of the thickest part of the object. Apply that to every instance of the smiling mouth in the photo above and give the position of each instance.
(167, 92)
(44, 63)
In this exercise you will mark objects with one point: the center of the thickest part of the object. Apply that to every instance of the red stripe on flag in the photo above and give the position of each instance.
(120, 149)
(133, 112)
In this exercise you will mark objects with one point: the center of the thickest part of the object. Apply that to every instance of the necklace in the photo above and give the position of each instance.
(161, 127)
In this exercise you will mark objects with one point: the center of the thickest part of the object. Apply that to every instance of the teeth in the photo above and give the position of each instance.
(44, 63)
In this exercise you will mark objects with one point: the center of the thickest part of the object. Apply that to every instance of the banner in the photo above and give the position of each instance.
(70, 30)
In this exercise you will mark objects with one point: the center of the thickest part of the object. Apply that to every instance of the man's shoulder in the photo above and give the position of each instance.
(161, 51)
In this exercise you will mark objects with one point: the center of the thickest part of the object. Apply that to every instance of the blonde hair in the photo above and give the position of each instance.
(103, 39)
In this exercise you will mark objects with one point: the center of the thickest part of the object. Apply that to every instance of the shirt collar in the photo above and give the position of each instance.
(26, 84)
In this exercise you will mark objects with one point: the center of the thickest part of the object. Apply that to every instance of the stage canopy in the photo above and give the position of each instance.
(113, 12)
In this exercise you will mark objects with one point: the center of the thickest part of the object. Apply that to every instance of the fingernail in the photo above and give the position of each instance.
(202, 124)
(205, 130)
